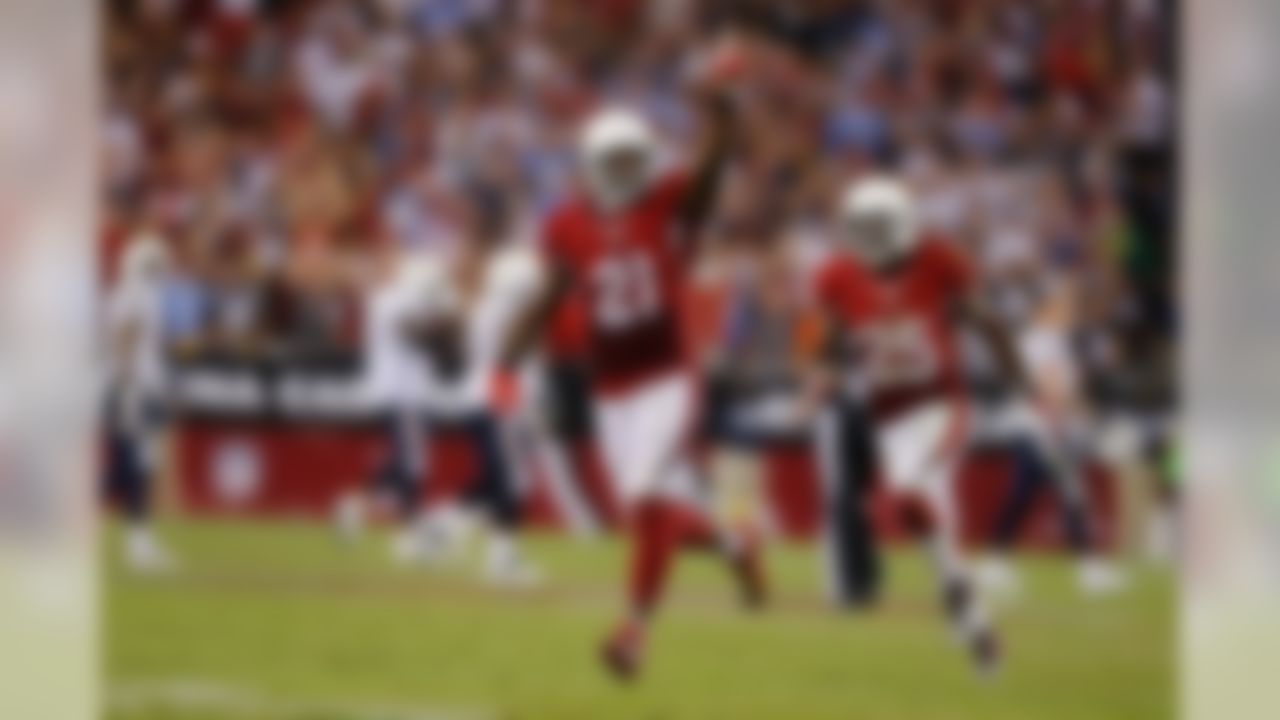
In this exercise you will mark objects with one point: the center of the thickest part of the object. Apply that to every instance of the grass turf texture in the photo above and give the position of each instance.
(280, 621)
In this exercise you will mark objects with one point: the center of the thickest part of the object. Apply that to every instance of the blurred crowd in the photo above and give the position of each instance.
(287, 151)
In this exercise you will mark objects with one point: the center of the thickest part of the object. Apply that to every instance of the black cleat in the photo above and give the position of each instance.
(984, 649)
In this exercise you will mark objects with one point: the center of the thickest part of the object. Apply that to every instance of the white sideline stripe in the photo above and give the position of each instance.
(206, 695)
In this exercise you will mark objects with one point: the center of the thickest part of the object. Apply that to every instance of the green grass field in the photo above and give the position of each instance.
(278, 621)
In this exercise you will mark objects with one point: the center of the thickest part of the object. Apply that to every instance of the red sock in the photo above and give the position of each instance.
(654, 533)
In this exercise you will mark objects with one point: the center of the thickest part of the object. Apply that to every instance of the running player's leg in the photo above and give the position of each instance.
(688, 501)
(132, 464)
(641, 432)
(396, 476)
(922, 452)
(402, 470)
(961, 599)
(1034, 464)
(127, 477)
(647, 441)
(674, 488)
(1026, 480)
(931, 515)
(1095, 574)
(403, 476)
(496, 490)
(1040, 457)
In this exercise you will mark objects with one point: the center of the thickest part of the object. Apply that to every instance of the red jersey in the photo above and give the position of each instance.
(628, 269)
(903, 323)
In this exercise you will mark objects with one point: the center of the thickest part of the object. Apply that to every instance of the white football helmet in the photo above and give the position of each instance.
(617, 154)
(878, 220)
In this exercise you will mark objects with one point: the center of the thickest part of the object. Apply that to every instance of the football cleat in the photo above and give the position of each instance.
(349, 517)
(621, 652)
(505, 567)
(984, 651)
(144, 554)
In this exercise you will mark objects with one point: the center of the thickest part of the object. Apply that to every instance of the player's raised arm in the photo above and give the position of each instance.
(711, 159)
(722, 66)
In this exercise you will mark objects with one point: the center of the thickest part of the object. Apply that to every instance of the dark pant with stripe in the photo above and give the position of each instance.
(494, 486)
(128, 467)
(1032, 471)
(128, 477)
(401, 473)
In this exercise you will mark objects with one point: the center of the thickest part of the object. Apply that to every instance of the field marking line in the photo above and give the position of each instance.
(197, 694)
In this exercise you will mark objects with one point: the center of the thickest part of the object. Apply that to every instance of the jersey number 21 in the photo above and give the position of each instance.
(626, 291)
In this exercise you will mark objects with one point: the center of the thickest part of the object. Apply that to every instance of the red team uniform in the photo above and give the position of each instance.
(629, 270)
(904, 323)
(903, 328)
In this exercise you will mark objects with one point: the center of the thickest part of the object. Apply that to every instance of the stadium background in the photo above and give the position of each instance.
(287, 151)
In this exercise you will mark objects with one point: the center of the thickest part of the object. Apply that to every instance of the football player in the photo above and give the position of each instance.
(1045, 444)
(626, 246)
(137, 395)
(452, 325)
(895, 300)
(394, 382)
(497, 277)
